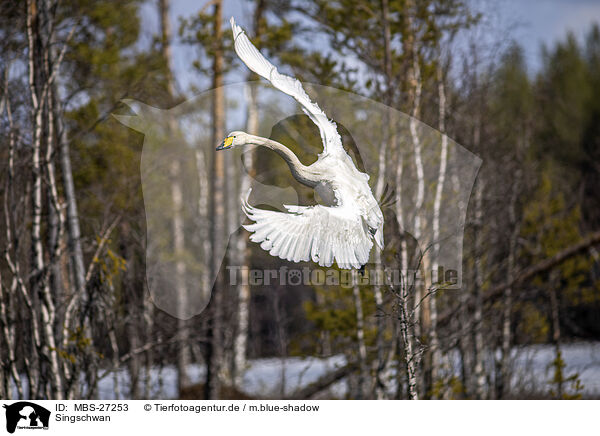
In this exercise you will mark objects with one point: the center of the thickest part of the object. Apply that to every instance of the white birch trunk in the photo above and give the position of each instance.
(478, 355)
(203, 222)
(243, 309)
(8, 325)
(433, 334)
(381, 364)
(39, 278)
(73, 229)
(405, 323)
(465, 319)
(360, 335)
(420, 197)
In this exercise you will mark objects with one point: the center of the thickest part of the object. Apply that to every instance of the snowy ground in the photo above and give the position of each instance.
(531, 372)
(264, 377)
(532, 367)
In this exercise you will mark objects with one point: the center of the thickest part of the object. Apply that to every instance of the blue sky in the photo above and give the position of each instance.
(530, 22)
(533, 22)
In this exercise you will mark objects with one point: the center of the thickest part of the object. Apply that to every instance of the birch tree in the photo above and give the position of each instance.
(252, 122)
(40, 80)
(434, 341)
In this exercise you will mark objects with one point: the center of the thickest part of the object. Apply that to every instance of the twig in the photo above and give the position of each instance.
(101, 244)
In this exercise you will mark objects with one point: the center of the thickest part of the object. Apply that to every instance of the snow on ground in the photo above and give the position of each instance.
(531, 372)
(263, 377)
(532, 366)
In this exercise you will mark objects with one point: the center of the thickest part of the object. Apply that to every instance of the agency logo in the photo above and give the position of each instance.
(26, 415)
(422, 181)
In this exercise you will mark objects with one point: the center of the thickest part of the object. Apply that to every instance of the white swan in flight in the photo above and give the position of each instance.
(342, 232)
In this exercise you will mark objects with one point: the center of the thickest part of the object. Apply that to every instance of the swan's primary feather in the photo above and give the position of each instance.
(254, 60)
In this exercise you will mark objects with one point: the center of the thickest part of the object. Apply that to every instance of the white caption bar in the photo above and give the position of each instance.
(312, 418)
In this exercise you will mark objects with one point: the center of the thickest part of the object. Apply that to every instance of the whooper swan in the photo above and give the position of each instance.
(342, 231)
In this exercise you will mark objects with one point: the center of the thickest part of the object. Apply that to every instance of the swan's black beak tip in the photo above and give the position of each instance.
(221, 146)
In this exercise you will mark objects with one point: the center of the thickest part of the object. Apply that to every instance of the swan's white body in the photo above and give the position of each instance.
(343, 232)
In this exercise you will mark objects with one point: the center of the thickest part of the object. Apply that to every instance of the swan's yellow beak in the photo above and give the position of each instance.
(226, 143)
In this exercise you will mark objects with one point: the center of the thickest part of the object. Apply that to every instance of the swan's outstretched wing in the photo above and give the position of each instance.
(323, 234)
(254, 60)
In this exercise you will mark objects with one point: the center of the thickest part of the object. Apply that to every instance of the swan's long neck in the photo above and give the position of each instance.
(300, 172)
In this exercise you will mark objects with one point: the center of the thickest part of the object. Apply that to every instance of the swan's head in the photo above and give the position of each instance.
(234, 139)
